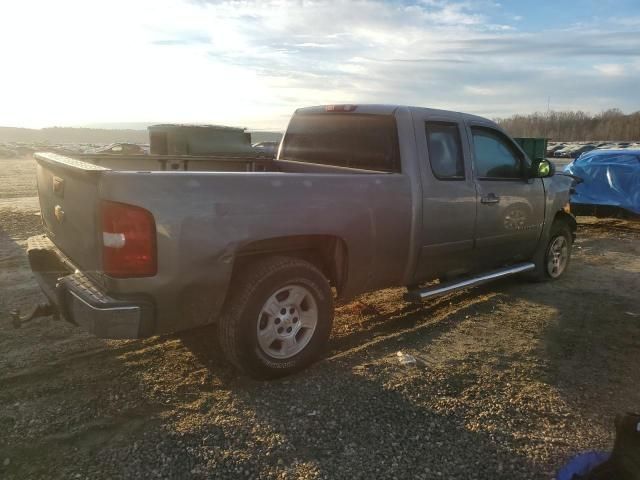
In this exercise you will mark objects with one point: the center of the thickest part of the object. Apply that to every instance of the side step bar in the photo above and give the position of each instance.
(448, 287)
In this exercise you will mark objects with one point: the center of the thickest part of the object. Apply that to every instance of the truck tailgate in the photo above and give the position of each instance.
(69, 204)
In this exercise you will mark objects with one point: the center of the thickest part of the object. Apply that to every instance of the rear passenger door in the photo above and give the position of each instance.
(510, 205)
(448, 198)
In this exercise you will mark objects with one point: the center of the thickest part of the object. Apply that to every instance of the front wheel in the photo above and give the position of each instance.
(278, 318)
(558, 254)
(553, 262)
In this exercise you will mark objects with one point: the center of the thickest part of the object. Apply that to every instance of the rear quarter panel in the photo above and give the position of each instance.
(202, 219)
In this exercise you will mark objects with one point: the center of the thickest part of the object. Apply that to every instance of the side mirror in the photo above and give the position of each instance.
(543, 169)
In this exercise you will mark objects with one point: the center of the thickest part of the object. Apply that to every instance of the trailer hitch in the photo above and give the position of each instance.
(40, 310)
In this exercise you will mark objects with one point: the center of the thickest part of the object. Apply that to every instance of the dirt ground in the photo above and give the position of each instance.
(513, 379)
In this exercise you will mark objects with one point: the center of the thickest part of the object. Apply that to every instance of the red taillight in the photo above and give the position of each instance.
(128, 241)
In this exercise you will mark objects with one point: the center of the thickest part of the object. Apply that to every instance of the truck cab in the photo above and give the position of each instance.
(481, 207)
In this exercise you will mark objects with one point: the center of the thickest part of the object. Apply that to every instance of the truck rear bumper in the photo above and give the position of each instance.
(80, 301)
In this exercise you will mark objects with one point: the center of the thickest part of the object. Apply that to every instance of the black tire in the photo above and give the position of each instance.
(240, 321)
(542, 271)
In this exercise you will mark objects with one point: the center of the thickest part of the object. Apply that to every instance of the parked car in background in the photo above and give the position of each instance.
(574, 150)
(554, 148)
(563, 152)
(580, 150)
(611, 183)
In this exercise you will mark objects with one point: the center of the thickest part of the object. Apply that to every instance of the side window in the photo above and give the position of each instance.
(445, 150)
(494, 156)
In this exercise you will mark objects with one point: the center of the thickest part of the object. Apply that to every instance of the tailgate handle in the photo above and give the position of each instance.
(58, 186)
(490, 198)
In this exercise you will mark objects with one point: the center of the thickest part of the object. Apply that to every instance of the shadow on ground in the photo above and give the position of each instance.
(512, 379)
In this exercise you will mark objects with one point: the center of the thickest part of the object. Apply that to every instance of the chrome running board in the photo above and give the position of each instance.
(448, 287)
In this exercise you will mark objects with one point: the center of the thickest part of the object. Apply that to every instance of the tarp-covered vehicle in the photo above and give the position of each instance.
(611, 185)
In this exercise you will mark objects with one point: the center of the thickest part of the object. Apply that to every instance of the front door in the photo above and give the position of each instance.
(448, 198)
(510, 205)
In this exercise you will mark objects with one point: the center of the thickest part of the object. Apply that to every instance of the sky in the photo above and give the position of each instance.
(251, 63)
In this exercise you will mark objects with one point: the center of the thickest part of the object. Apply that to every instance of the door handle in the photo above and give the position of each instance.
(490, 198)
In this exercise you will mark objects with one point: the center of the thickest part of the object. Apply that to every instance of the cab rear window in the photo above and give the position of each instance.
(362, 141)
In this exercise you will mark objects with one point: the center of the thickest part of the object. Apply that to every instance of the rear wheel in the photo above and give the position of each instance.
(287, 321)
(553, 261)
(278, 317)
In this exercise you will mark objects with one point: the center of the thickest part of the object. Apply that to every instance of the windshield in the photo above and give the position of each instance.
(367, 142)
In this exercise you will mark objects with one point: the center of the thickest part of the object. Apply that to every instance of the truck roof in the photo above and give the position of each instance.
(385, 109)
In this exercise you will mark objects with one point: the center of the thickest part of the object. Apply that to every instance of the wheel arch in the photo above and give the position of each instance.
(329, 253)
(562, 216)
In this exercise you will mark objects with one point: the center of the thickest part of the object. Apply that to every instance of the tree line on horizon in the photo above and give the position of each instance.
(610, 124)
(77, 135)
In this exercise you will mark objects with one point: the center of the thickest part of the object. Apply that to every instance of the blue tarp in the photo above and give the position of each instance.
(582, 464)
(611, 177)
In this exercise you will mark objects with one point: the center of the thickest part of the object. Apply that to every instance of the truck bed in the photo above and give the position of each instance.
(202, 163)
(209, 210)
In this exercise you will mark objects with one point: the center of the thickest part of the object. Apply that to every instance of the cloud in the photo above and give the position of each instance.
(184, 39)
(480, 90)
(610, 69)
(253, 62)
(427, 54)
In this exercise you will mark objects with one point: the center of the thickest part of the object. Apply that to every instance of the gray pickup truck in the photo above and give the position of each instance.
(359, 198)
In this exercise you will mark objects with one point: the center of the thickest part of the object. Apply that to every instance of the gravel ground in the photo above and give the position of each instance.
(512, 379)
